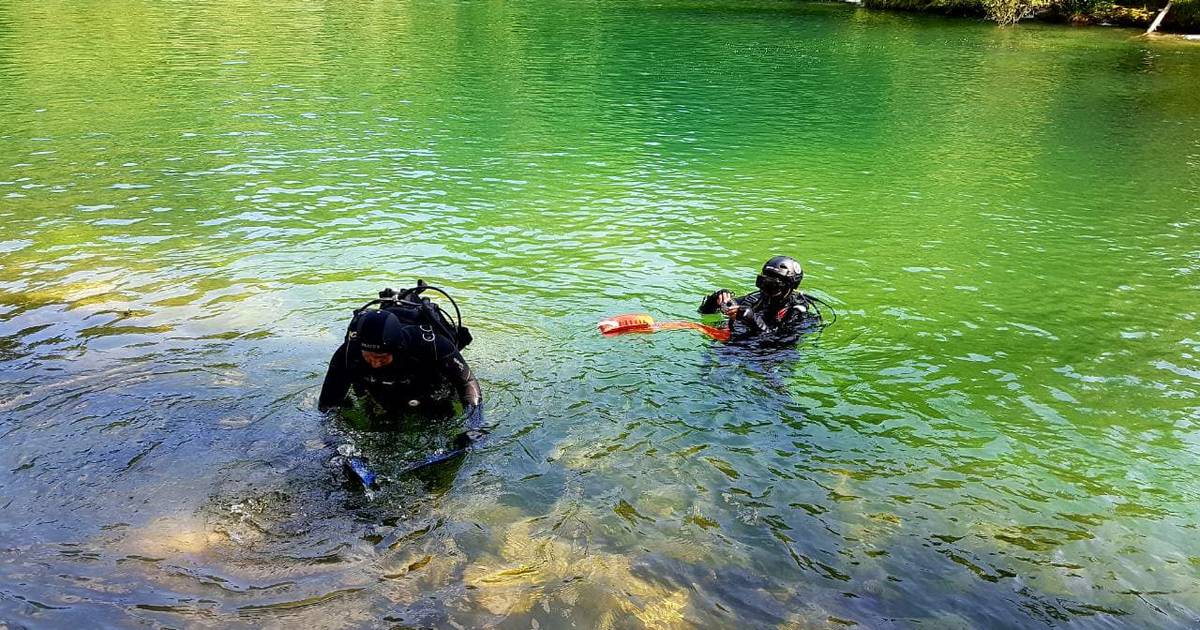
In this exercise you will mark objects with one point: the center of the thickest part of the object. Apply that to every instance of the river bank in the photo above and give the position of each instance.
(1183, 17)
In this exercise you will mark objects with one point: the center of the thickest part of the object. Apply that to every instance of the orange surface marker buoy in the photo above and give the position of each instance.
(620, 324)
(642, 323)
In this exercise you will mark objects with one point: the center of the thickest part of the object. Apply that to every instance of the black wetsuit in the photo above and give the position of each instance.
(426, 375)
(758, 314)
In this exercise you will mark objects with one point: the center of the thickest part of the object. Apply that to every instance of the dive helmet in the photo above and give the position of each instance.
(780, 275)
(379, 331)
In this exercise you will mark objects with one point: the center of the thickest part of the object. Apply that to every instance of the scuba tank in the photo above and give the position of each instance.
(412, 308)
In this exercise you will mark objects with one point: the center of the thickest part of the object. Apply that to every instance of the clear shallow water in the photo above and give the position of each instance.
(1000, 431)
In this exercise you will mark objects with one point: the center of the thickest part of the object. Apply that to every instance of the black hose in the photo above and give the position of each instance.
(457, 313)
(826, 305)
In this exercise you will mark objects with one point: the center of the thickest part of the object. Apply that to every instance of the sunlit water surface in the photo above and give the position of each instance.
(1001, 430)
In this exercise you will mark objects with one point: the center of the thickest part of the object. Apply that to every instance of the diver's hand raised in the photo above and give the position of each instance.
(726, 304)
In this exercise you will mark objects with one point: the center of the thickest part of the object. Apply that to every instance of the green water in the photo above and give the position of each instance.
(1002, 429)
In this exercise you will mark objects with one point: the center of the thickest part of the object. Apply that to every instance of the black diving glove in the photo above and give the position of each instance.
(717, 302)
(473, 415)
(473, 420)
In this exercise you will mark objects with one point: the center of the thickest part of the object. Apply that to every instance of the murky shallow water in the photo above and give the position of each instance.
(1000, 431)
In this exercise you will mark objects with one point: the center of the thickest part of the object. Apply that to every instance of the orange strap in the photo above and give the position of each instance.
(642, 323)
(720, 334)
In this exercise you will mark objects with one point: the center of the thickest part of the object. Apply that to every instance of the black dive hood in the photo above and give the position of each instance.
(379, 331)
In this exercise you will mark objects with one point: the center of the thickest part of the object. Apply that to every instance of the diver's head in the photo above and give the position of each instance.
(380, 334)
(780, 276)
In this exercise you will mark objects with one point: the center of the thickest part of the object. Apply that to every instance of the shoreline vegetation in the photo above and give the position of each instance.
(1182, 17)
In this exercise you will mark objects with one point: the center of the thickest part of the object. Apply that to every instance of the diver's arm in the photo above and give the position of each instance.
(467, 386)
(337, 381)
(747, 311)
(754, 318)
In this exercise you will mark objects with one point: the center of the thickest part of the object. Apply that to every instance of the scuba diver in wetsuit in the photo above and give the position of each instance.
(777, 307)
(405, 356)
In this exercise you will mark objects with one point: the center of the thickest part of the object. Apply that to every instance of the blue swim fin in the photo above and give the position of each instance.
(356, 470)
